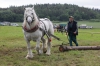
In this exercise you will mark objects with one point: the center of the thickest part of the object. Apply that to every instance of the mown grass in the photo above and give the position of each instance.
(13, 49)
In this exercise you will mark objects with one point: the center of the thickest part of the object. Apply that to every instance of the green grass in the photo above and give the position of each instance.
(13, 49)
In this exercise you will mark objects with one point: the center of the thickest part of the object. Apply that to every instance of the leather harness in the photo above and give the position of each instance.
(31, 30)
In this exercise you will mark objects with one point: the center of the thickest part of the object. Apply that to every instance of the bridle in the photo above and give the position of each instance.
(31, 17)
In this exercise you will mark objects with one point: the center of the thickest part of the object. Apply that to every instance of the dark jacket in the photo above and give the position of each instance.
(72, 27)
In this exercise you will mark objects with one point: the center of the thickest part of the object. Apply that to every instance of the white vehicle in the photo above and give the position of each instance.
(14, 24)
(84, 26)
(89, 27)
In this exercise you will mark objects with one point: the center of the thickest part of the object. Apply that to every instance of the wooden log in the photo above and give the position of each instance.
(63, 48)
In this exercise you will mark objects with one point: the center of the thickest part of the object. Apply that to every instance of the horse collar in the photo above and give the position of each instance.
(32, 29)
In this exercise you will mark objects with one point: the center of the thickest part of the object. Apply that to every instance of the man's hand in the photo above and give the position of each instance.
(74, 32)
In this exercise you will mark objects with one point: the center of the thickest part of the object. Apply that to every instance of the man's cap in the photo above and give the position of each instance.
(71, 17)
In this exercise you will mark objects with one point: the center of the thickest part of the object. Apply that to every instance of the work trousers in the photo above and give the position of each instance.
(72, 38)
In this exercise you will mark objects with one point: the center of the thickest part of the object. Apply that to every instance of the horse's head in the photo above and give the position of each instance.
(29, 14)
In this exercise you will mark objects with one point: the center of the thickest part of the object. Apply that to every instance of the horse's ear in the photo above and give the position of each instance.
(24, 8)
(33, 7)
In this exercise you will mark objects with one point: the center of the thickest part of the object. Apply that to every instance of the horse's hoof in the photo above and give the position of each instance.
(44, 50)
(48, 54)
(28, 57)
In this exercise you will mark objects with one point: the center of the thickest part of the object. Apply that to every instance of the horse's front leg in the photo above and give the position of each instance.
(29, 54)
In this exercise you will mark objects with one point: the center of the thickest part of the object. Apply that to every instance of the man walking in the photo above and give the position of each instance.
(72, 30)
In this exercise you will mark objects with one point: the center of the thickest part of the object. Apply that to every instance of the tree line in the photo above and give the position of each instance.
(55, 12)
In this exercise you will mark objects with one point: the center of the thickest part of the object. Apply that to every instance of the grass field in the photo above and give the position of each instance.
(13, 49)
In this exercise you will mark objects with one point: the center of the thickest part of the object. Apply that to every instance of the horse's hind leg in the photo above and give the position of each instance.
(29, 54)
(51, 31)
(38, 49)
(44, 46)
(48, 47)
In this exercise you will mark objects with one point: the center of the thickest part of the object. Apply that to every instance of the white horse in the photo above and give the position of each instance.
(31, 28)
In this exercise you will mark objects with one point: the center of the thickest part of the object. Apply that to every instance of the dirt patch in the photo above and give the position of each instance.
(9, 51)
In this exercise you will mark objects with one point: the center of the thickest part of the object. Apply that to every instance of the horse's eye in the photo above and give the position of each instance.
(32, 13)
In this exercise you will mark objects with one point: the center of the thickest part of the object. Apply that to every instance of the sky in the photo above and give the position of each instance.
(84, 3)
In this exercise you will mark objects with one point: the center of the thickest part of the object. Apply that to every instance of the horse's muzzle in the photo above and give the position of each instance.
(29, 19)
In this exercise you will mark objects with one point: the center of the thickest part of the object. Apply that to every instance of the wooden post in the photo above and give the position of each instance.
(63, 48)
